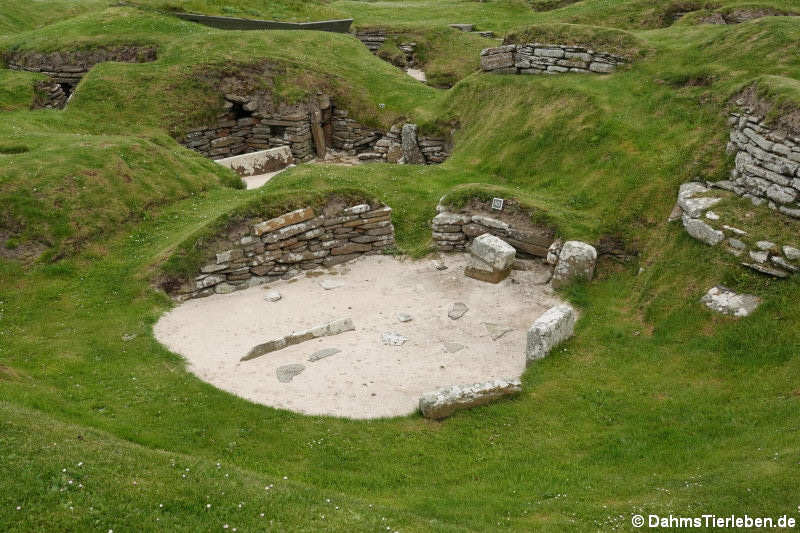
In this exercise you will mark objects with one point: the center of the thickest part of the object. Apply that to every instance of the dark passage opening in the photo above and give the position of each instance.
(66, 88)
(239, 111)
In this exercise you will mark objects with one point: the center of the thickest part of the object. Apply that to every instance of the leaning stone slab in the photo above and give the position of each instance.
(444, 402)
(575, 260)
(552, 328)
(331, 328)
(725, 301)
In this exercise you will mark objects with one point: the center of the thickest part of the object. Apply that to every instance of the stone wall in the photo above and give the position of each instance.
(66, 69)
(767, 163)
(538, 58)
(455, 232)
(259, 251)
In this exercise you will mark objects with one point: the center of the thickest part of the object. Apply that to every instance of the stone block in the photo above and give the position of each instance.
(293, 217)
(549, 330)
(444, 402)
(576, 260)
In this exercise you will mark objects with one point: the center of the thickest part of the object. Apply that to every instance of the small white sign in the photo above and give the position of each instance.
(497, 204)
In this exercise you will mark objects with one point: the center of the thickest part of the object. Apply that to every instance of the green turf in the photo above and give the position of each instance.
(655, 406)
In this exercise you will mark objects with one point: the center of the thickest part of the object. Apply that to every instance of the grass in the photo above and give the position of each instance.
(656, 405)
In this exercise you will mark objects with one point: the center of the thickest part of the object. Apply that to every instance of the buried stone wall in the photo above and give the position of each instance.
(538, 58)
(258, 251)
(66, 69)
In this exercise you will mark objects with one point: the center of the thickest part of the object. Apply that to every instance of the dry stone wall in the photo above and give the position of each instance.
(455, 232)
(66, 69)
(767, 163)
(259, 251)
(538, 58)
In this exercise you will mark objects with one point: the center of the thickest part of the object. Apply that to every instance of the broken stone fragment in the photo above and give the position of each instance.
(393, 339)
(330, 284)
(322, 354)
(331, 328)
(272, 296)
(457, 310)
(286, 373)
(702, 231)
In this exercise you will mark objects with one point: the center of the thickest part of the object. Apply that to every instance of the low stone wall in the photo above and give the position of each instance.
(66, 69)
(261, 162)
(260, 251)
(455, 232)
(538, 58)
(767, 163)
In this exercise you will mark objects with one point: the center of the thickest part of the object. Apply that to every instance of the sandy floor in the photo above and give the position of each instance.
(254, 182)
(367, 379)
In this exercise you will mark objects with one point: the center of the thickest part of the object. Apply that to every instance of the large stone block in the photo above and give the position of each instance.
(444, 402)
(411, 152)
(702, 231)
(576, 260)
(549, 330)
(490, 259)
(496, 62)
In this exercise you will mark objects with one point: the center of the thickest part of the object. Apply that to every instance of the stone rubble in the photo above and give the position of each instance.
(455, 232)
(538, 58)
(725, 301)
(444, 402)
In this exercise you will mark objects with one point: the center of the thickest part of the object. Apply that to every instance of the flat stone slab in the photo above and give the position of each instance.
(725, 301)
(497, 330)
(331, 328)
(322, 354)
(393, 339)
(552, 328)
(457, 310)
(404, 317)
(444, 402)
(286, 373)
(452, 347)
(330, 284)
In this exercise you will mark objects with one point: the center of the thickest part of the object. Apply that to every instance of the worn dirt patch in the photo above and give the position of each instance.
(367, 379)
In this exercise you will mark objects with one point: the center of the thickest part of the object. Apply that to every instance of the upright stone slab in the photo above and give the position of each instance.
(444, 402)
(490, 259)
(411, 152)
(575, 260)
(552, 328)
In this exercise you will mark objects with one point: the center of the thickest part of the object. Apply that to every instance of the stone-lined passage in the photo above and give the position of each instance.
(66, 69)
(260, 251)
(538, 58)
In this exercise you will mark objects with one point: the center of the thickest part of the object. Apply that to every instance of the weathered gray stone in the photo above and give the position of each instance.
(444, 402)
(393, 339)
(783, 263)
(493, 251)
(769, 271)
(330, 284)
(702, 231)
(452, 347)
(725, 301)
(736, 244)
(404, 317)
(294, 217)
(576, 260)
(411, 152)
(322, 354)
(791, 253)
(450, 219)
(759, 257)
(552, 328)
(208, 269)
(765, 245)
(457, 310)
(496, 331)
(272, 296)
(691, 204)
(296, 337)
(287, 373)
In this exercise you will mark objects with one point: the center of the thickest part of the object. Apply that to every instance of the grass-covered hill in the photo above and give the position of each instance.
(655, 406)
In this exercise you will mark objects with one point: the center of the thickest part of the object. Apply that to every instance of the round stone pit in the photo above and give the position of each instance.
(360, 374)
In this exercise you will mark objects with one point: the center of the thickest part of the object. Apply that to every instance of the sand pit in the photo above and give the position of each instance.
(366, 378)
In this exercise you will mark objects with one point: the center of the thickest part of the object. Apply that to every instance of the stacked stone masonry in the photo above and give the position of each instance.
(261, 251)
(66, 69)
(537, 58)
(269, 126)
(767, 164)
(455, 232)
